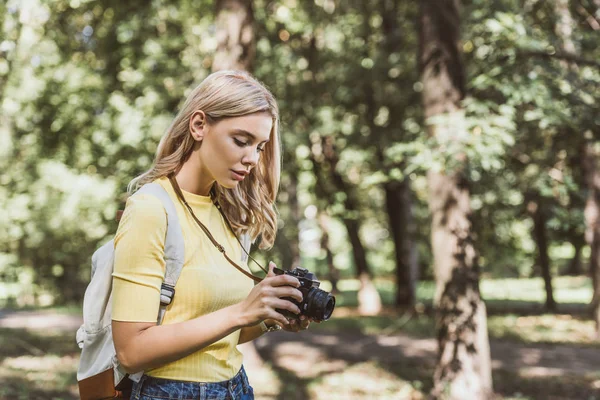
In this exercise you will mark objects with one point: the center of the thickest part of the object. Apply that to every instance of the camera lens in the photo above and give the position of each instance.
(320, 304)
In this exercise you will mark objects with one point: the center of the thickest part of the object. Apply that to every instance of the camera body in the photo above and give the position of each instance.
(316, 303)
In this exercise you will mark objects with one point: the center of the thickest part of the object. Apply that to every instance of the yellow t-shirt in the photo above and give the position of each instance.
(207, 282)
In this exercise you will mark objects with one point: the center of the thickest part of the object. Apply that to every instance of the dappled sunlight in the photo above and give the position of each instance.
(44, 364)
(305, 361)
(264, 381)
(547, 328)
(45, 377)
(363, 381)
(40, 320)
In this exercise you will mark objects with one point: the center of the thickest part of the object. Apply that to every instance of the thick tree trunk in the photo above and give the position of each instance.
(589, 160)
(463, 368)
(399, 208)
(538, 214)
(369, 300)
(236, 46)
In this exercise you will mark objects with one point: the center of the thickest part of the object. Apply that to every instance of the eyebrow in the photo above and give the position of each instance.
(246, 133)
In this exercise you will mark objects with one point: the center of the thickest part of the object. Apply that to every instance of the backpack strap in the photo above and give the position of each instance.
(174, 253)
(245, 242)
(174, 246)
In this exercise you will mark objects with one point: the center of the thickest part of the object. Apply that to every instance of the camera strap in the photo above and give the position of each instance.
(219, 247)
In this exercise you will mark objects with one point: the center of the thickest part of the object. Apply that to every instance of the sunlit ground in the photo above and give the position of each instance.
(391, 356)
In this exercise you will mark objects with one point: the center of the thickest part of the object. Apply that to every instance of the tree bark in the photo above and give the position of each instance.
(463, 369)
(236, 44)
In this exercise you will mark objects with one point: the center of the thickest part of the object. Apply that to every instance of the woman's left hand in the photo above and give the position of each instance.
(297, 325)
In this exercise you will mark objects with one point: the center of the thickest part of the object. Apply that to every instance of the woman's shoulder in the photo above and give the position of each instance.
(146, 208)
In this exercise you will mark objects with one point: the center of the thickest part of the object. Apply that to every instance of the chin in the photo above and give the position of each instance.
(229, 183)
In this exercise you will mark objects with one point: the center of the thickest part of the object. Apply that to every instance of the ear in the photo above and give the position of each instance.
(198, 125)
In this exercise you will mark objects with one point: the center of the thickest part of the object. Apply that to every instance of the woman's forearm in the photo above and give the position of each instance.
(250, 333)
(161, 344)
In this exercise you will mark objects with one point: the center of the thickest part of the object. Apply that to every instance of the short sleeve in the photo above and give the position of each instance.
(139, 265)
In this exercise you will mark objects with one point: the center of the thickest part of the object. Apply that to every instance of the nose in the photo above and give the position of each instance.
(251, 156)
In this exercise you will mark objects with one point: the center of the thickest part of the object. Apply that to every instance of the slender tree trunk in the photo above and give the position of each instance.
(574, 267)
(333, 273)
(564, 28)
(399, 208)
(538, 214)
(592, 220)
(292, 190)
(236, 46)
(397, 193)
(369, 300)
(463, 368)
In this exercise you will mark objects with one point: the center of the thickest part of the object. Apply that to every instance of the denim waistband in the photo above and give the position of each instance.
(175, 389)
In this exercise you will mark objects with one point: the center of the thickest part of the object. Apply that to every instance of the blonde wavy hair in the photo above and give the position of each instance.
(250, 206)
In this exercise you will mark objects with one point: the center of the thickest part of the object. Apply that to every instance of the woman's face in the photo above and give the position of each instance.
(230, 148)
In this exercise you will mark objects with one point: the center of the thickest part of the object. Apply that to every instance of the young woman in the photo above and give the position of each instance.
(224, 142)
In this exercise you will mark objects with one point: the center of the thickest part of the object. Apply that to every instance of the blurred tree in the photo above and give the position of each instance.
(463, 370)
(236, 46)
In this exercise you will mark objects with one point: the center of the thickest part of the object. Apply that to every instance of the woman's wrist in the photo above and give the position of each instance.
(269, 325)
(240, 317)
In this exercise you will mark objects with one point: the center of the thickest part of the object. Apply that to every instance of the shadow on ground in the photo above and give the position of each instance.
(520, 370)
(37, 364)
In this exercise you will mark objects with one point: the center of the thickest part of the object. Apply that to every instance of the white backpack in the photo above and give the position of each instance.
(100, 374)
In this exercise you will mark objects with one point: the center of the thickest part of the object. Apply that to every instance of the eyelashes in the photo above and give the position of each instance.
(244, 144)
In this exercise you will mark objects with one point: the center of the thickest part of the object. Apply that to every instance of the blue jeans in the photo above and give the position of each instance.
(149, 388)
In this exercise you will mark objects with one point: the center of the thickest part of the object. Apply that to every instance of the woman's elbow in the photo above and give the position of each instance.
(126, 337)
(127, 362)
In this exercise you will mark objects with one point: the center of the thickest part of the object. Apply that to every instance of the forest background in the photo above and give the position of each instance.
(430, 149)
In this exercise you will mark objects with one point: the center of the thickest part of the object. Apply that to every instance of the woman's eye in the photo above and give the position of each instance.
(240, 143)
(259, 149)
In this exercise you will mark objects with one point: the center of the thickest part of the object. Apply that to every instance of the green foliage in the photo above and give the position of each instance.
(88, 88)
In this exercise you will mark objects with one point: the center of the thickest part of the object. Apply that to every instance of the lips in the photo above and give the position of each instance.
(239, 175)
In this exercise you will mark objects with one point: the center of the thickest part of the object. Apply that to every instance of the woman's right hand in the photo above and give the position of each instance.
(267, 296)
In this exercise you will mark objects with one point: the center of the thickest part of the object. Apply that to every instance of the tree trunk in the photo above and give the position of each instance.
(538, 214)
(575, 268)
(463, 368)
(333, 273)
(369, 300)
(398, 200)
(564, 28)
(292, 190)
(589, 160)
(236, 45)
(399, 208)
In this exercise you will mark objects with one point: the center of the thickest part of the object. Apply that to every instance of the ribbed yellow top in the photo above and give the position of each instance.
(207, 282)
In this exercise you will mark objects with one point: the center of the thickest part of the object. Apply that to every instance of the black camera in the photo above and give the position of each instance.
(316, 303)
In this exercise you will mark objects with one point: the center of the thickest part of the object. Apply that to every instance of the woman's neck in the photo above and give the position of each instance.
(190, 179)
